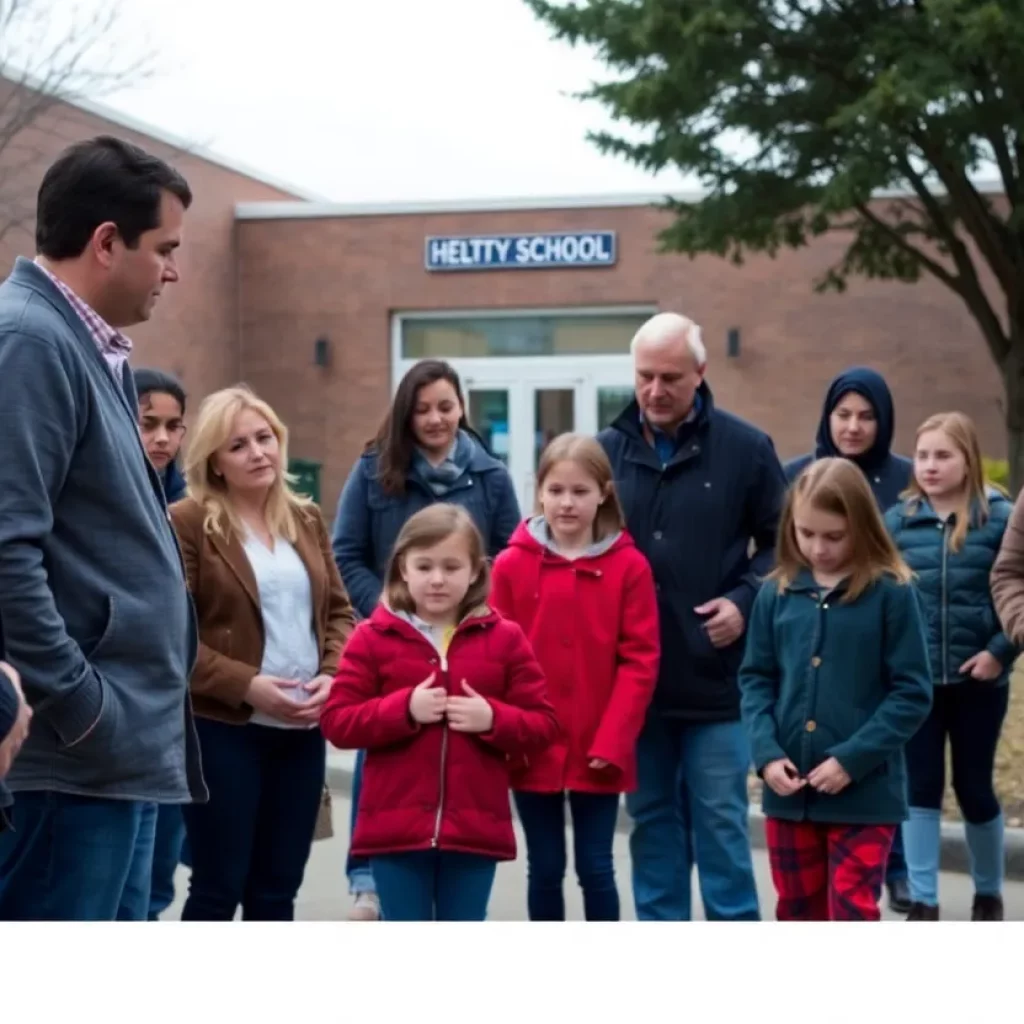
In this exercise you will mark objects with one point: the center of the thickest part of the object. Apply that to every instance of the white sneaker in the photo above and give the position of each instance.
(365, 908)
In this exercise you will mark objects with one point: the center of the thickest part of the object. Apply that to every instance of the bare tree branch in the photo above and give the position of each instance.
(53, 52)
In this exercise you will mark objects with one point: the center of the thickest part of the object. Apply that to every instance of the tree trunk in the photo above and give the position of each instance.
(1013, 384)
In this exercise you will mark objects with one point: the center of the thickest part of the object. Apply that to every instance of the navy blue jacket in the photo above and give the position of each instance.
(826, 678)
(174, 484)
(954, 585)
(368, 520)
(887, 474)
(694, 519)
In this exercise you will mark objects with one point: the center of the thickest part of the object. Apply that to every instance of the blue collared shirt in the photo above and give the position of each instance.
(666, 445)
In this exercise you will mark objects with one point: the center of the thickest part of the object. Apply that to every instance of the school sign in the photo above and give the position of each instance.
(521, 252)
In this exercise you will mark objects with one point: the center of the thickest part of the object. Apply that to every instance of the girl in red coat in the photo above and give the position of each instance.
(440, 692)
(575, 582)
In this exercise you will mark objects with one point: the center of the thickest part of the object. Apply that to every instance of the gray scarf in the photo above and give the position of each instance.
(442, 478)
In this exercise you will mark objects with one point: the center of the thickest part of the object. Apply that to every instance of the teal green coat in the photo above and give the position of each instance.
(823, 678)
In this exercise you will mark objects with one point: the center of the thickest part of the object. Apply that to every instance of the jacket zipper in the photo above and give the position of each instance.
(444, 764)
(945, 609)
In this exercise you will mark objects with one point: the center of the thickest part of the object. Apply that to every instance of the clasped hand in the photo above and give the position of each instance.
(428, 704)
(783, 778)
(274, 696)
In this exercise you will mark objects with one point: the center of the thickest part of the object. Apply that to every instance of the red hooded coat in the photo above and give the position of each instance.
(593, 624)
(427, 786)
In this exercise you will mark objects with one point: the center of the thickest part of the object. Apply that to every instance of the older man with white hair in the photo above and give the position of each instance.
(702, 491)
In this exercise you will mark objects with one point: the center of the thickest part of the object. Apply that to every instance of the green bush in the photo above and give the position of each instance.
(997, 471)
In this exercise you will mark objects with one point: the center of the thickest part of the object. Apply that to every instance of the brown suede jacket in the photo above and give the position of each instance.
(227, 604)
(1008, 577)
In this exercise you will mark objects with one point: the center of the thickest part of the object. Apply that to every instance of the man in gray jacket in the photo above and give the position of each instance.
(95, 611)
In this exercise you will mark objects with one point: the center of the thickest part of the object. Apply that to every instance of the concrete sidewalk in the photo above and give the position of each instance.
(341, 764)
(324, 893)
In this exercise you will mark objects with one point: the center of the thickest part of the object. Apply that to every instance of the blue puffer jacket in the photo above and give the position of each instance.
(954, 586)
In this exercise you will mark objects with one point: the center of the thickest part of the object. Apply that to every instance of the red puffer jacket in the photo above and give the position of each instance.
(427, 786)
(593, 624)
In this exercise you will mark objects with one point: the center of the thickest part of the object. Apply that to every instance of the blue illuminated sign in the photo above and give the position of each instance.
(518, 252)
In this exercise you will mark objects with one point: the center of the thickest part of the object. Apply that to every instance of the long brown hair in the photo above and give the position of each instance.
(427, 528)
(394, 442)
(217, 413)
(960, 429)
(588, 454)
(837, 487)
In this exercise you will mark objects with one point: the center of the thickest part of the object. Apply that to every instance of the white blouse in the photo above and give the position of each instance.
(290, 650)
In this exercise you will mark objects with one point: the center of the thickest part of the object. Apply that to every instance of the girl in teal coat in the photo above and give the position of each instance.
(834, 682)
(948, 528)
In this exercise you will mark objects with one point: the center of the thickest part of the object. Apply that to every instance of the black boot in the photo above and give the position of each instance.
(987, 908)
(899, 896)
(922, 912)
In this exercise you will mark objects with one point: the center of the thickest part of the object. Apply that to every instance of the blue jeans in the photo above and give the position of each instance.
(434, 885)
(167, 851)
(250, 843)
(593, 832)
(360, 876)
(138, 888)
(690, 810)
(76, 858)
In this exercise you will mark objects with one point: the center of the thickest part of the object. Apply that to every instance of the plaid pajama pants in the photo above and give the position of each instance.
(827, 872)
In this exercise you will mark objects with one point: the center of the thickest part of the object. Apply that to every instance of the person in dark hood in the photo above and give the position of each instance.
(857, 423)
(162, 424)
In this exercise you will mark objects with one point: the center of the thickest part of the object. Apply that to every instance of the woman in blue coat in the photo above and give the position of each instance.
(424, 452)
(857, 423)
(949, 529)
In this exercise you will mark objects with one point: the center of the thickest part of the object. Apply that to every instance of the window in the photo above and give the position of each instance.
(481, 337)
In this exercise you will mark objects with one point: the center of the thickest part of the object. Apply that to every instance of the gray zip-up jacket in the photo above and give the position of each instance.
(95, 610)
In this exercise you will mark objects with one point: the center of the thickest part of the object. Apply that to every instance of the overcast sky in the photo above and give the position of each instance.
(375, 100)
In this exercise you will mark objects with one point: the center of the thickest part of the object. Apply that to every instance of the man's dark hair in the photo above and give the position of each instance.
(149, 381)
(103, 179)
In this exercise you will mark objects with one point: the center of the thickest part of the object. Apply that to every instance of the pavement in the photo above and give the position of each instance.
(324, 895)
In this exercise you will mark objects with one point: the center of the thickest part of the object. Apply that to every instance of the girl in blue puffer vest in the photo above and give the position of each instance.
(949, 527)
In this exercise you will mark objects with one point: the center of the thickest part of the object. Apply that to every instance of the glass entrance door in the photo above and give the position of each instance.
(555, 410)
(518, 419)
(489, 411)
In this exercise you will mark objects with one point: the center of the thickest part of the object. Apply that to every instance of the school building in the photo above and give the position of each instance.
(322, 307)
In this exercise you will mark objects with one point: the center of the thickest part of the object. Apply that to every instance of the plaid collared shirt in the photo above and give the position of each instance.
(113, 345)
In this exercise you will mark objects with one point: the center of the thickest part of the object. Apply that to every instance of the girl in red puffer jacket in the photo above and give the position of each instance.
(440, 692)
(583, 593)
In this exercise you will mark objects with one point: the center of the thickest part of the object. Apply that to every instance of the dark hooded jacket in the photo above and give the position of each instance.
(174, 483)
(887, 474)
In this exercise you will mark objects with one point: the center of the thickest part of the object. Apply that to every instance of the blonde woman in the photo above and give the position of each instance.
(273, 619)
(949, 527)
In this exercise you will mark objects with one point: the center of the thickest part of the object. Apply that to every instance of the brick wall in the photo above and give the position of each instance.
(345, 277)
